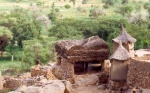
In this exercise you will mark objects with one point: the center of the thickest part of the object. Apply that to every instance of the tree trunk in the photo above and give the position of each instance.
(12, 57)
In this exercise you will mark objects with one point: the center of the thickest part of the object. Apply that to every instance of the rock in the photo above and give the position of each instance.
(87, 79)
(12, 83)
(103, 87)
(1, 81)
(46, 71)
(68, 86)
(51, 86)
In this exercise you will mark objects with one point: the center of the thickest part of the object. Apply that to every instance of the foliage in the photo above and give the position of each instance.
(5, 31)
(147, 6)
(84, 1)
(53, 15)
(81, 9)
(109, 2)
(96, 12)
(124, 10)
(105, 28)
(124, 1)
(37, 51)
(73, 1)
(66, 29)
(106, 6)
(138, 17)
(67, 6)
(21, 25)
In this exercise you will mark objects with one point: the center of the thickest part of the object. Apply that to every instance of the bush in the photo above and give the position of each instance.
(106, 6)
(67, 6)
(56, 9)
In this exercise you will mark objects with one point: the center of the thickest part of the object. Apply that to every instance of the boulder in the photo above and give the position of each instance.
(49, 86)
(68, 86)
(46, 71)
(12, 83)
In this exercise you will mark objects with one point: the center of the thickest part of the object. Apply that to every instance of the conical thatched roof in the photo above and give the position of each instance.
(124, 37)
(121, 53)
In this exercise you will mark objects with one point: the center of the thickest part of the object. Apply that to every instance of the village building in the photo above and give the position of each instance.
(76, 56)
(119, 65)
(127, 42)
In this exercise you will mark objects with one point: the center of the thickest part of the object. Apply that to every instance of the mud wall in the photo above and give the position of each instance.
(139, 72)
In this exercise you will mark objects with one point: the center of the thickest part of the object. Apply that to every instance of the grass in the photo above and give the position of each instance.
(8, 67)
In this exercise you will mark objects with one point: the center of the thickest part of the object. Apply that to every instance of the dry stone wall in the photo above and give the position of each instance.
(139, 73)
(68, 70)
(46, 71)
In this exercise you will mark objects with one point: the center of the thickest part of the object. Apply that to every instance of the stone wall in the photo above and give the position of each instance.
(139, 72)
(46, 71)
(64, 70)
(68, 70)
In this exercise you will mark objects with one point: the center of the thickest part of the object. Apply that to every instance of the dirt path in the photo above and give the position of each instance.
(88, 89)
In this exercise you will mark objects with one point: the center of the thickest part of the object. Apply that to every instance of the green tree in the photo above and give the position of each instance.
(124, 10)
(96, 12)
(23, 27)
(53, 15)
(38, 51)
(147, 7)
(5, 36)
(109, 2)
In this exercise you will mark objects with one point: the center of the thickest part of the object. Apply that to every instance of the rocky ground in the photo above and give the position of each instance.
(84, 83)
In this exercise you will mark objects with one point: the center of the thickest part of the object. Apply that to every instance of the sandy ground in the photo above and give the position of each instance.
(89, 89)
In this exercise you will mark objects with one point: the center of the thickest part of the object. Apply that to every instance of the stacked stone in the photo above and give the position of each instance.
(12, 83)
(68, 70)
(46, 71)
(139, 73)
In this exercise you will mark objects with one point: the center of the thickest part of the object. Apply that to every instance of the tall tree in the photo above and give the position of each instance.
(5, 36)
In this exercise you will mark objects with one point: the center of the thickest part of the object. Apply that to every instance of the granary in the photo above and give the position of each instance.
(76, 55)
(127, 42)
(119, 64)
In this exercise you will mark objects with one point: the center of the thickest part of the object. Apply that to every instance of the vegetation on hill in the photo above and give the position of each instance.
(33, 26)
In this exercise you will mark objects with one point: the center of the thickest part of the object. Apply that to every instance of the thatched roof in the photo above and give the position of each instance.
(93, 48)
(120, 54)
(124, 37)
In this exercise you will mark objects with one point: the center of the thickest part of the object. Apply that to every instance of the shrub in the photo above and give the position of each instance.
(57, 10)
(67, 6)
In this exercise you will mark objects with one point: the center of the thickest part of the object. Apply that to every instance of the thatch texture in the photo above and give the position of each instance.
(121, 53)
(124, 37)
(92, 48)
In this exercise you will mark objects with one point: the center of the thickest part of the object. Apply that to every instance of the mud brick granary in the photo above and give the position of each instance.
(75, 55)
(119, 67)
(127, 42)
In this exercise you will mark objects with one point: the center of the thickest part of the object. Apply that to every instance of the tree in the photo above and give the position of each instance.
(124, 10)
(124, 1)
(53, 15)
(84, 1)
(23, 27)
(138, 17)
(109, 2)
(38, 51)
(96, 12)
(44, 19)
(147, 7)
(5, 35)
(73, 1)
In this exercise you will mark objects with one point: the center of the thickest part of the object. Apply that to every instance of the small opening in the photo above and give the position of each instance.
(87, 67)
